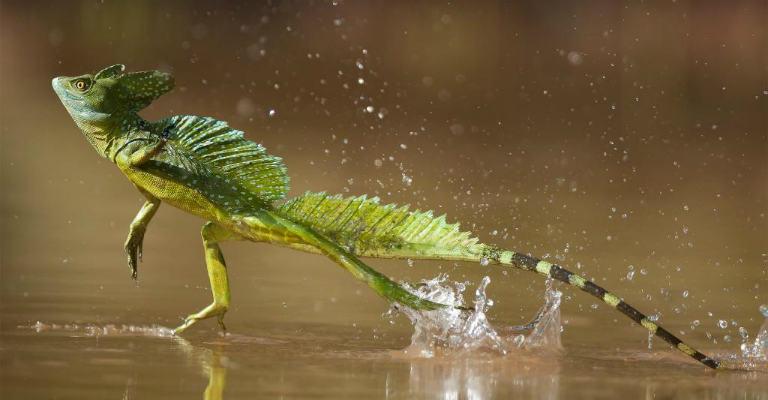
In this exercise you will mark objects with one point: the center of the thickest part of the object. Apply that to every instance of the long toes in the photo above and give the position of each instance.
(189, 321)
(208, 312)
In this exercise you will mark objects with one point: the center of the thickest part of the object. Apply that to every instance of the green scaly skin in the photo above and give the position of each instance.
(204, 167)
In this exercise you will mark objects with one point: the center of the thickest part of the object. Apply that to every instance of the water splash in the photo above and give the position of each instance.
(548, 327)
(102, 330)
(758, 349)
(455, 329)
(754, 355)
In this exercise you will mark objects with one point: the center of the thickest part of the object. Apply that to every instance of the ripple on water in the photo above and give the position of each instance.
(101, 330)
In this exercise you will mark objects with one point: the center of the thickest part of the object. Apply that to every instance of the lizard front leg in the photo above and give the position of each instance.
(137, 151)
(135, 242)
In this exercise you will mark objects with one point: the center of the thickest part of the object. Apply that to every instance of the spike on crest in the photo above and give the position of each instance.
(373, 229)
(111, 71)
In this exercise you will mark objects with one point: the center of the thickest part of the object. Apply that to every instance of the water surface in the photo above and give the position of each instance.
(626, 141)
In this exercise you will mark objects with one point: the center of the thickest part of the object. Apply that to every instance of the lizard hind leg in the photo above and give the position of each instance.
(380, 283)
(217, 274)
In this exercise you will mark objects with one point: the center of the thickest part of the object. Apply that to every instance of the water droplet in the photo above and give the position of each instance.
(369, 109)
(407, 180)
(743, 333)
(696, 322)
(764, 310)
(722, 324)
(410, 262)
(575, 58)
(630, 275)
(272, 112)
(685, 293)
(484, 261)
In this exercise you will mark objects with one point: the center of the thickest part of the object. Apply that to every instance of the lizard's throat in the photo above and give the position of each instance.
(100, 133)
(102, 130)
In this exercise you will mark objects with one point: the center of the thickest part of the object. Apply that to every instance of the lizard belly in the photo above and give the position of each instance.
(176, 194)
(236, 213)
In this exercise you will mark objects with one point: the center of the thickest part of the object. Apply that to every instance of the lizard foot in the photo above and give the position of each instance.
(213, 310)
(134, 247)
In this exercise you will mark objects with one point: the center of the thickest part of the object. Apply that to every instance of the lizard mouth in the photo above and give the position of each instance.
(58, 87)
(71, 102)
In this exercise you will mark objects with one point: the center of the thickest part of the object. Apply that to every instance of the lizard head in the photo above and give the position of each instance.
(92, 99)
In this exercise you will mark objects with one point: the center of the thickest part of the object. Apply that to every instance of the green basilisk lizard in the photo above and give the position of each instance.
(204, 167)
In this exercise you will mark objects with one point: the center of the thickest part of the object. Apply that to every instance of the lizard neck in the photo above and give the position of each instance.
(105, 133)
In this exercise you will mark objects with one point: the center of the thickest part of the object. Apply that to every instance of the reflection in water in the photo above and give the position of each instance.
(461, 375)
(464, 376)
(213, 364)
(468, 377)
(211, 360)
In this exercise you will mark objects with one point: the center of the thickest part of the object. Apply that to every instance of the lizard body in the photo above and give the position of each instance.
(202, 166)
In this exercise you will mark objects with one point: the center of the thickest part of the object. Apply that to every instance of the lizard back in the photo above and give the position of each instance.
(207, 156)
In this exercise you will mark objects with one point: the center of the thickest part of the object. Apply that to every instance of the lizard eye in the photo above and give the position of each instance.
(82, 84)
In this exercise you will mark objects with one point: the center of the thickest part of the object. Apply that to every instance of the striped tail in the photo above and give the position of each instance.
(559, 273)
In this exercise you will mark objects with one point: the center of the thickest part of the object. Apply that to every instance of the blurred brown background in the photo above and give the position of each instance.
(611, 136)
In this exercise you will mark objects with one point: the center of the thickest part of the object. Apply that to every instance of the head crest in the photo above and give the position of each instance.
(139, 89)
(134, 90)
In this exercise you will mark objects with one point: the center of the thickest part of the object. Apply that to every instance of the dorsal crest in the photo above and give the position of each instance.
(221, 150)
